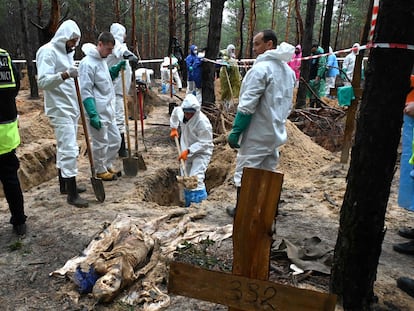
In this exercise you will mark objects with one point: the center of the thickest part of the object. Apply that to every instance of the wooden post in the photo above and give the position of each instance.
(350, 125)
(247, 288)
(252, 231)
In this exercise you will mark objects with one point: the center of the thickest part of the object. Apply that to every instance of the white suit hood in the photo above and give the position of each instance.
(89, 49)
(68, 30)
(119, 33)
(283, 52)
(51, 60)
(191, 102)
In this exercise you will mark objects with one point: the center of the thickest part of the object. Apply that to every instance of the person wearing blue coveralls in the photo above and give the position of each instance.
(194, 63)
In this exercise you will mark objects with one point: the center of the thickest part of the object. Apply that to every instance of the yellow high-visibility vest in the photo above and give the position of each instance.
(9, 137)
(9, 132)
(7, 79)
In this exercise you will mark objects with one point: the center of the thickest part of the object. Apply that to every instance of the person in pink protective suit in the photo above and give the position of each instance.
(296, 62)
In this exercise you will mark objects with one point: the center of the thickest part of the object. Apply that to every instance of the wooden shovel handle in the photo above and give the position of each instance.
(85, 127)
(182, 162)
(126, 112)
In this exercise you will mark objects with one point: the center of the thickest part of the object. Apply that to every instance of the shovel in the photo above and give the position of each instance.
(130, 164)
(141, 163)
(97, 184)
(188, 182)
(141, 114)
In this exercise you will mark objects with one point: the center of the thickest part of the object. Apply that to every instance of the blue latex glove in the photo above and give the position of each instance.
(90, 108)
(114, 70)
(241, 122)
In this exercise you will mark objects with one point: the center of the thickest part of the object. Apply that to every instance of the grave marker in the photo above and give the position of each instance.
(248, 288)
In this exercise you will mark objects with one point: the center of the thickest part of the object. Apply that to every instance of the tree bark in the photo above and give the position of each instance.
(321, 22)
(117, 15)
(326, 33)
(306, 48)
(299, 22)
(274, 4)
(171, 23)
(155, 29)
(373, 159)
(133, 27)
(288, 20)
(34, 91)
(251, 27)
(240, 27)
(341, 8)
(213, 43)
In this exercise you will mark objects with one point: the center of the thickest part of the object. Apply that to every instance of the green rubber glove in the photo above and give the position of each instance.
(90, 108)
(114, 70)
(241, 122)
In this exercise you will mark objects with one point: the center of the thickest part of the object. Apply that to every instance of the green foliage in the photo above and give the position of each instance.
(16, 245)
(201, 255)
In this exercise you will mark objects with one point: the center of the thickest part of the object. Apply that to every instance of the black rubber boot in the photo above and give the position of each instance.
(231, 210)
(123, 152)
(406, 284)
(73, 195)
(62, 185)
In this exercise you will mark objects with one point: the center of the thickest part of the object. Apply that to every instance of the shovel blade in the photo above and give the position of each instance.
(141, 163)
(98, 188)
(130, 166)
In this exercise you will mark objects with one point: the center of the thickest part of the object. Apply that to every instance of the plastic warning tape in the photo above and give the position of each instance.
(374, 15)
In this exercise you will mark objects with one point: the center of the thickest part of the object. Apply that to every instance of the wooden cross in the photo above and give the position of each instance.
(248, 288)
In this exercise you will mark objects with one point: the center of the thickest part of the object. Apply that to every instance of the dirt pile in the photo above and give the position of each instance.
(313, 189)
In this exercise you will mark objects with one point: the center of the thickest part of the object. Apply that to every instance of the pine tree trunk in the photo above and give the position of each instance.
(326, 33)
(373, 159)
(213, 43)
(240, 28)
(34, 91)
(306, 47)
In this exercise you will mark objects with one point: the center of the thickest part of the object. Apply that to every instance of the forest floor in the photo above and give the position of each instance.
(311, 198)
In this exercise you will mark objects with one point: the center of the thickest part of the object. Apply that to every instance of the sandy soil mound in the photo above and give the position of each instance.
(313, 189)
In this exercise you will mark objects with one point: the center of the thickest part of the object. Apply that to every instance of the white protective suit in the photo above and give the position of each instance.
(119, 33)
(61, 105)
(96, 82)
(266, 94)
(196, 136)
(165, 73)
(349, 62)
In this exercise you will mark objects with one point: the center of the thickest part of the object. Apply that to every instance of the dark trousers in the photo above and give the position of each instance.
(9, 164)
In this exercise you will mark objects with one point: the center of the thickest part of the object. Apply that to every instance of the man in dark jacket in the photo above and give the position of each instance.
(9, 140)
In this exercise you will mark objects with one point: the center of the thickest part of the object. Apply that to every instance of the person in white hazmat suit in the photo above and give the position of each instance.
(349, 62)
(98, 95)
(55, 73)
(264, 104)
(119, 53)
(196, 143)
(165, 75)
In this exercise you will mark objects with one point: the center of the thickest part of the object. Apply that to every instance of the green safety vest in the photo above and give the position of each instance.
(9, 132)
(6, 72)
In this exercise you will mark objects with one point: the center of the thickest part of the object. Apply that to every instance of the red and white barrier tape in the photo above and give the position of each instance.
(374, 15)
(367, 46)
